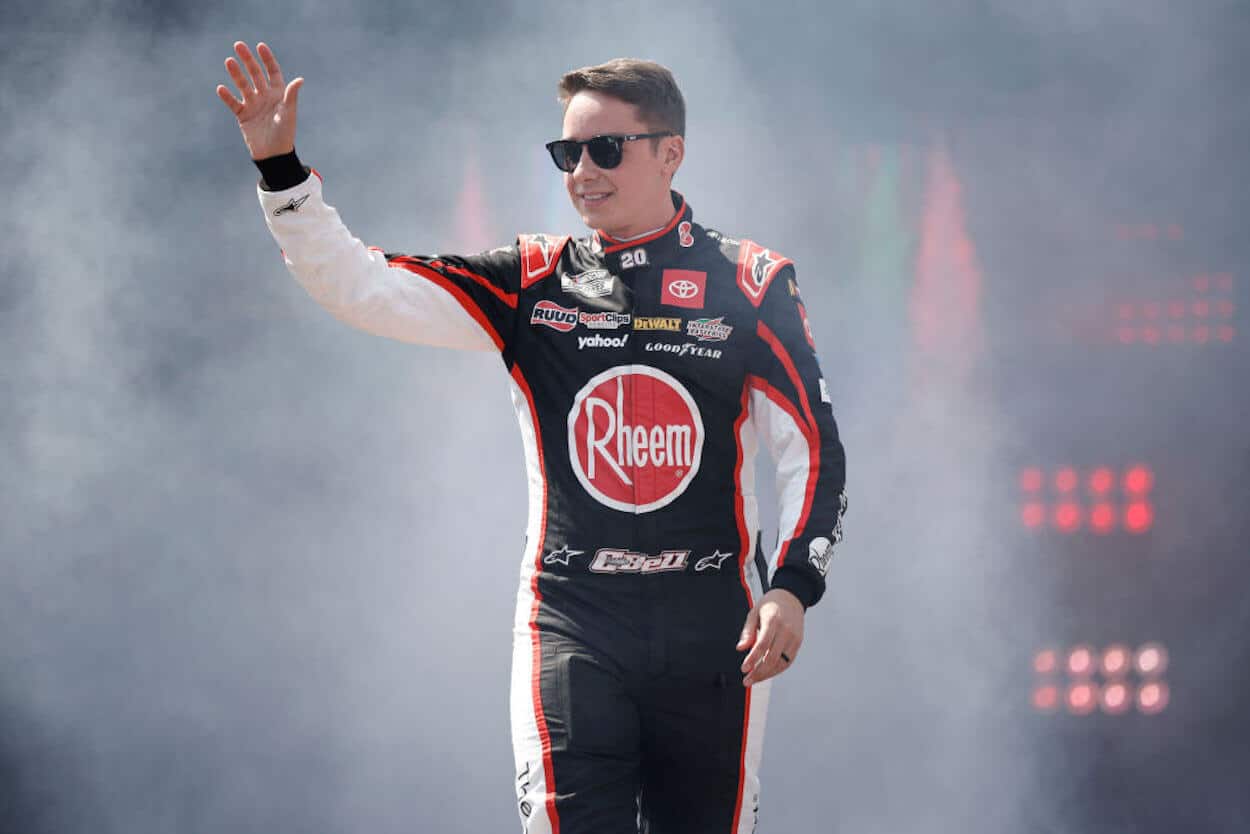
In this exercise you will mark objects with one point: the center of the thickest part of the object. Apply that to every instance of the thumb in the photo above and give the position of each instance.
(749, 629)
(290, 98)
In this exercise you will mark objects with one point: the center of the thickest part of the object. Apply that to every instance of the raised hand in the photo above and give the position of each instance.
(267, 112)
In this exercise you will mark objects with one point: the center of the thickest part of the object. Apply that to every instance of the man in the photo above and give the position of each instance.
(645, 362)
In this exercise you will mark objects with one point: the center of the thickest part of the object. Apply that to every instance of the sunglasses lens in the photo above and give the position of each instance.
(605, 151)
(565, 154)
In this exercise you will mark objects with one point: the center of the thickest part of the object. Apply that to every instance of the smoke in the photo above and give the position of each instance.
(257, 570)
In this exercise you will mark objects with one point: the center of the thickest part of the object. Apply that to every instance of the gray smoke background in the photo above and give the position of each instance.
(257, 570)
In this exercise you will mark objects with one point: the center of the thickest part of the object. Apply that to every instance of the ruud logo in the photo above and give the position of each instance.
(635, 459)
(683, 288)
(552, 315)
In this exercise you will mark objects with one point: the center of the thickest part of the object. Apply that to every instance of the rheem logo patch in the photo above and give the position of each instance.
(635, 438)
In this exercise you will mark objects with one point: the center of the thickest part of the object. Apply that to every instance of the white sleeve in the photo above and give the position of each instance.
(356, 284)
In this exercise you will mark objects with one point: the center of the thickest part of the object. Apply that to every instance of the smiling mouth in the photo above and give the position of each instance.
(594, 199)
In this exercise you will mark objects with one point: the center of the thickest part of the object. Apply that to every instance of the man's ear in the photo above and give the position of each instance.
(674, 153)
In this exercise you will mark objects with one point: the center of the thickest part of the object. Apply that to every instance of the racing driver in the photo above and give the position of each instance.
(646, 361)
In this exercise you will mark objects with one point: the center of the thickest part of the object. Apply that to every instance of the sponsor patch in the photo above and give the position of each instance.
(819, 552)
(598, 340)
(593, 283)
(683, 349)
(824, 392)
(683, 288)
(604, 320)
(291, 206)
(709, 330)
(635, 459)
(552, 315)
(611, 560)
(561, 556)
(712, 562)
(653, 323)
(683, 234)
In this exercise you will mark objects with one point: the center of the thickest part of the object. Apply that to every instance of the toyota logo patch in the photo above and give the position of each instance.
(683, 288)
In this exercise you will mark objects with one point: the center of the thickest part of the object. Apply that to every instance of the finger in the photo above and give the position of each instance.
(748, 630)
(271, 64)
(233, 103)
(240, 79)
(253, 67)
(290, 99)
(772, 665)
(756, 655)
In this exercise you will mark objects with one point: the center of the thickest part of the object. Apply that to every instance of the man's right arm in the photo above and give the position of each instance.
(447, 301)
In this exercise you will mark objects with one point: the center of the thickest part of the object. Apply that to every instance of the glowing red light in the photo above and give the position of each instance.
(1224, 309)
(1102, 518)
(1138, 480)
(1080, 661)
(1202, 309)
(1101, 480)
(1150, 335)
(1045, 662)
(1068, 517)
(1031, 479)
(1116, 661)
(1176, 309)
(1116, 699)
(1224, 281)
(1202, 283)
(1151, 310)
(1151, 660)
(1082, 698)
(1066, 479)
(1225, 333)
(1152, 698)
(1033, 514)
(1045, 698)
(1138, 517)
(1126, 335)
(1202, 334)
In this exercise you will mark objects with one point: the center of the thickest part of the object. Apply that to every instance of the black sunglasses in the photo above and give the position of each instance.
(605, 151)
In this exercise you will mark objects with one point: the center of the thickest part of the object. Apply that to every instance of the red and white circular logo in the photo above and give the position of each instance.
(683, 289)
(635, 438)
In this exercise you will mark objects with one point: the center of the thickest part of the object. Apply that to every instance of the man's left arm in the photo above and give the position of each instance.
(792, 411)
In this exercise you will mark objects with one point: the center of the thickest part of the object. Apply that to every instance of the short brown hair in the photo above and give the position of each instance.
(648, 86)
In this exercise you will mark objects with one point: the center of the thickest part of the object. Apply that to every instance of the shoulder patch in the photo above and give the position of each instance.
(539, 256)
(757, 267)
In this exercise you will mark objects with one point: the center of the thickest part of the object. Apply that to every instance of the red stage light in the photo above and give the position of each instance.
(1082, 698)
(1080, 661)
(1153, 697)
(1068, 517)
(1102, 518)
(1066, 479)
(1045, 698)
(1116, 661)
(1031, 479)
(1151, 660)
(1116, 699)
(1138, 480)
(1202, 309)
(1045, 662)
(1101, 480)
(1139, 517)
(1033, 515)
(1224, 309)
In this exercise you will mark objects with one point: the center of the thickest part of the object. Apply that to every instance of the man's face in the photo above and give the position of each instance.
(626, 200)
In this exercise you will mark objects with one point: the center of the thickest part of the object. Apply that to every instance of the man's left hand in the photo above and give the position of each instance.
(773, 632)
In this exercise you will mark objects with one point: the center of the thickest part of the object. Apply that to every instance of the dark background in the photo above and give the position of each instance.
(257, 570)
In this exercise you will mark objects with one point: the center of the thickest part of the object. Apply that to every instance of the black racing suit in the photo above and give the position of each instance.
(644, 373)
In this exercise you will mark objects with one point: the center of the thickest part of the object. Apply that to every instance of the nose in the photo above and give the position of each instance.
(585, 167)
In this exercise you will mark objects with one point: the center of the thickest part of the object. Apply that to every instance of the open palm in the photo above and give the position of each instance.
(266, 112)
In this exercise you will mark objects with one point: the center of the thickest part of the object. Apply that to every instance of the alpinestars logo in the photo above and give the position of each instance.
(712, 562)
(762, 263)
(709, 330)
(561, 556)
(635, 467)
(593, 283)
(291, 206)
(552, 315)
(819, 552)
